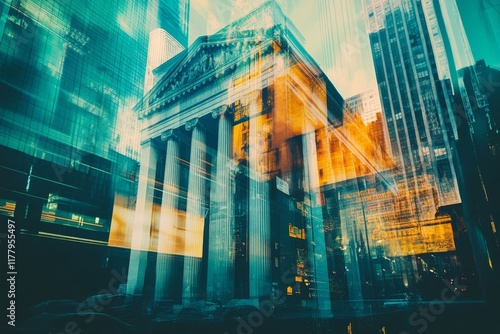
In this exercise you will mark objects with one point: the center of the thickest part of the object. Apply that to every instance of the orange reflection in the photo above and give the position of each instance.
(179, 240)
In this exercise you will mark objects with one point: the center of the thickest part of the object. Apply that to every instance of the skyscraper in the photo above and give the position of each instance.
(168, 37)
(60, 105)
(415, 92)
(59, 109)
(171, 16)
(162, 46)
(476, 111)
(416, 104)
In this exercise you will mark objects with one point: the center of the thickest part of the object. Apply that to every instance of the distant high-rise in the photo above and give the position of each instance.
(173, 17)
(162, 46)
(366, 104)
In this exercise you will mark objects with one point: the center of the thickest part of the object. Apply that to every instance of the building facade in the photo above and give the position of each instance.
(229, 136)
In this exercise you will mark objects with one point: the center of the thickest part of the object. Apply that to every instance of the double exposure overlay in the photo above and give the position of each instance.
(233, 166)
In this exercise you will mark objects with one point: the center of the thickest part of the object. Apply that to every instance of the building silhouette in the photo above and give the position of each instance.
(477, 147)
(475, 104)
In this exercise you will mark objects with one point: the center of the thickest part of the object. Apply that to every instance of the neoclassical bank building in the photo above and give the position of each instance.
(234, 156)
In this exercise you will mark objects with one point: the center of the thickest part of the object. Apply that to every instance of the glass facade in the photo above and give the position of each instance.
(160, 181)
(416, 106)
(71, 73)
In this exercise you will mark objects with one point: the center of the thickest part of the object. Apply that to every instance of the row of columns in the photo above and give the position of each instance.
(221, 247)
(220, 271)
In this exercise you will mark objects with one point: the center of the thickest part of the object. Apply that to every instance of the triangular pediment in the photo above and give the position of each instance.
(206, 60)
(210, 57)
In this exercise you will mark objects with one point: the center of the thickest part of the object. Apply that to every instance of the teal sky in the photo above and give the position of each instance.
(481, 19)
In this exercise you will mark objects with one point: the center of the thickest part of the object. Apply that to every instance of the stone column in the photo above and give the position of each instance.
(195, 214)
(220, 275)
(142, 220)
(169, 219)
(259, 228)
(315, 235)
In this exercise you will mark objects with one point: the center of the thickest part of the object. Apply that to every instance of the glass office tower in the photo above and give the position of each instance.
(476, 113)
(70, 75)
(415, 102)
(416, 96)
